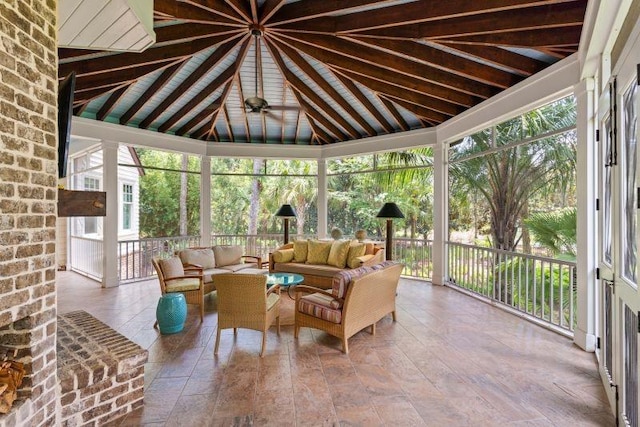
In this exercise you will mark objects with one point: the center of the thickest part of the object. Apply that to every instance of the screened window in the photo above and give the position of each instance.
(91, 223)
(127, 206)
(629, 221)
(607, 223)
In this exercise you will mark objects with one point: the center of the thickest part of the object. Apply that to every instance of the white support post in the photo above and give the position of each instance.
(205, 201)
(440, 213)
(586, 189)
(322, 199)
(111, 220)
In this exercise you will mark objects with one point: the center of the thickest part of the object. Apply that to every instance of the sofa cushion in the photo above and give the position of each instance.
(227, 255)
(201, 257)
(355, 250)
(338, 253)
(300, 249)
(207, 275)
(181, 285)
(171, 267)
(283, 255)
(342, 280)
(300, 268)
(318, 252)
(232, 268)
(319, 305)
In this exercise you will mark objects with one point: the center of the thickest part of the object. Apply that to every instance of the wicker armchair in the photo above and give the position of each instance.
(174, 278)
(245, 302)
(367, 299)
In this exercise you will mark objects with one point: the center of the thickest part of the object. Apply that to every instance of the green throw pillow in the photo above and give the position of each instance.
(300, 251)
(355, 250)
(318, 252)
(338, 253)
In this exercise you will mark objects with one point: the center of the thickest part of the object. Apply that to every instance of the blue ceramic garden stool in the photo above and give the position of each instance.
(171, 313)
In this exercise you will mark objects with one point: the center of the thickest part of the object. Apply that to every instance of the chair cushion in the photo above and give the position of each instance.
(227, 255)
(272, 299)
(171, 267)
(181, 285)
(300, 249)
(342, 279)
(283, 255)
(320, 306)
(338, 253)
(355, 250)
(202, 257)
(369, 249)
(318, 252)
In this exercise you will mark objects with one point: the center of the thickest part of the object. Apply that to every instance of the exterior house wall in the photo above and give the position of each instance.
(28, 195)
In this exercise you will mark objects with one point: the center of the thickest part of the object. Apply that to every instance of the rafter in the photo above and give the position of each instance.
(311, 112)
(395, 113)
(445, 61)
(338, 61)
(182, 33)
(302, 88)
(110, 103)
(96, 81)
(241, 9)
(187, 83)
(317, 9)
(268, 9)
(217, 7)
(155, 87)
(555, 37)
(326, 87)
(320, 133)
(191, 13)
(418, 110)
(355, 91)
(545, 16)
(149, 56)
(500, 57)
(397, 64)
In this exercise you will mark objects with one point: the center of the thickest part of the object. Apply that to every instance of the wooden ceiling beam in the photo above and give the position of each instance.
(311, 112)
(339, 61)
(325, 86)
(355, 91)
(402, 123)
(255, 14)
(421, 11)
(183, 33)
(155, 87)
(110, 103)
(218, 8)
(192, 13)
(297, 84)
(320, 133)
(227, 122)
(223, 79)
(241, 9)
(545, 16)
(317, 9)
(212, 61)
(204, 114)
(90, 94)
(398, 64)
(446, 61)
(127, 75)
(269, 8)
(149, 56)
(418, 110)
(500, 57)
(548, 38)
(433, 104)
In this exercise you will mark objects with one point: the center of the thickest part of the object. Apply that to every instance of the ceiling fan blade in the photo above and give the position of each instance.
(284, 108)
(272, 116)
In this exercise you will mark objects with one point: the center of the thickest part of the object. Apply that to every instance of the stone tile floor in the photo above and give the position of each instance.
(449, 360)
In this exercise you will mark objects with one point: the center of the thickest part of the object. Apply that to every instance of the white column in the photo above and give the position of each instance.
(586, 189)
(440, 213)
(322, 199)
(205, 201)
(110, 221)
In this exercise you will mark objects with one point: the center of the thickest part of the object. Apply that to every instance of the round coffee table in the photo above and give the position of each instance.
(284, 279)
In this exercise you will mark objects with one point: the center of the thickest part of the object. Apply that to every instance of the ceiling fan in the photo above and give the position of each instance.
(256, 104)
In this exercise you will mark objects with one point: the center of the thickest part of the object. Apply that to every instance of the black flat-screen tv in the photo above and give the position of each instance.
(65, 113)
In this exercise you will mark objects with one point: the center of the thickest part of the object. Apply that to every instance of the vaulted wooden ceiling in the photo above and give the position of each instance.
(330, 70)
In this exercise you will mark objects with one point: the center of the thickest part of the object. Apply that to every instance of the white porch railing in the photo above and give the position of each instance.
(538, 287)
(87, 256)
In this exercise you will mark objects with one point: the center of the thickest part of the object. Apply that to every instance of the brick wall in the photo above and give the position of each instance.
(28, 180)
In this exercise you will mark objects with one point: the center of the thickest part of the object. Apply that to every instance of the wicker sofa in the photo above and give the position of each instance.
(319, 271)
(220, 259)
(359, 298)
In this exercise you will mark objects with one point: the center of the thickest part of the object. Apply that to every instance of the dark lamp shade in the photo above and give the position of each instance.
(286, 211)
(390, 210)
